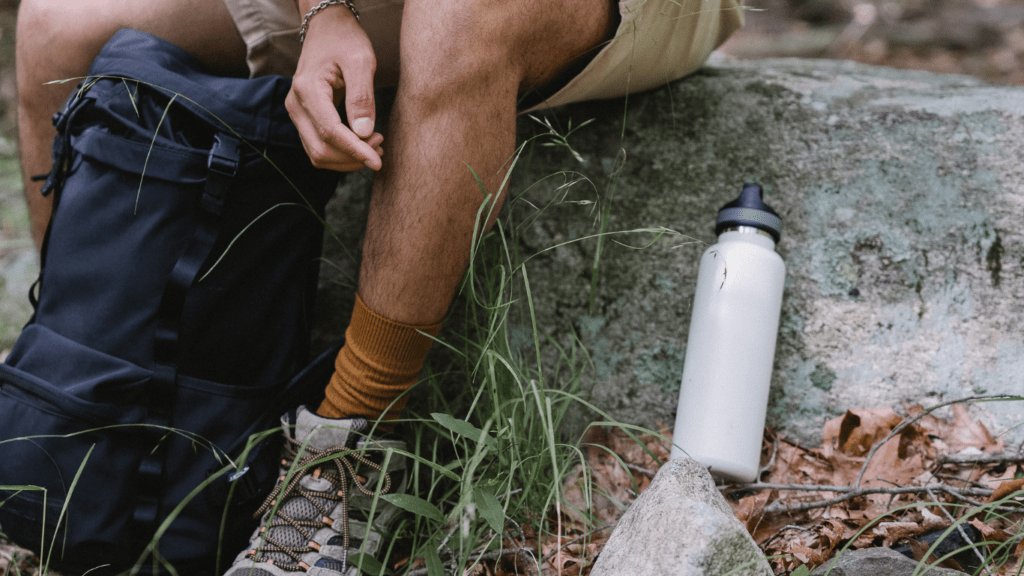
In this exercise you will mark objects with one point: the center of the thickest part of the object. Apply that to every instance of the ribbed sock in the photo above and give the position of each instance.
(380, 360)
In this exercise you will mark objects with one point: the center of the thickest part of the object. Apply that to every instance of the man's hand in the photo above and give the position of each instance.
(337, 61)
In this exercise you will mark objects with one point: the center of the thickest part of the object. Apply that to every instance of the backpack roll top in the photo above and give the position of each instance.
(173, 316)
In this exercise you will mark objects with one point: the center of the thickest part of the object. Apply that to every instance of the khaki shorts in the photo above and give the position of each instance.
(656, 42)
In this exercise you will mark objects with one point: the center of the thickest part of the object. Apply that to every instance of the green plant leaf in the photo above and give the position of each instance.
(415, 505)
(433, 561)
(367, 564)
(489, 508)
(460, 427)
(800, 571)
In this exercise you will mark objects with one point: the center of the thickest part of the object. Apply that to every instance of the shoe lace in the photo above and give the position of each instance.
(337, 470)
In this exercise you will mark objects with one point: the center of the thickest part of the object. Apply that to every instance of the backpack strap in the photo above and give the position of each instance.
(222, 164)
(53, 182)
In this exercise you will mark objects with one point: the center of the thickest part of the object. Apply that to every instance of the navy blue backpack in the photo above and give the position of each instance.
(172, 321)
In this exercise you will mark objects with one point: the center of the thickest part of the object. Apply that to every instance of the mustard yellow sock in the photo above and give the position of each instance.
(380, 360)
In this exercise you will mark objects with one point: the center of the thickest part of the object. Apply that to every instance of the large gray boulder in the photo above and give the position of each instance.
(680, 525)
(902, 195)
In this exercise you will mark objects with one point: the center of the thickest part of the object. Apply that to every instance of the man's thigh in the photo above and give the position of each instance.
(81, 28)
(656, 41)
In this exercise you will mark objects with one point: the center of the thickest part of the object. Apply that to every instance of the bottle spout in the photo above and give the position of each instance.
(749, 209)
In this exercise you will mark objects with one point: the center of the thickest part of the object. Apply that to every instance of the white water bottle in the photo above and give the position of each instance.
(731, 346)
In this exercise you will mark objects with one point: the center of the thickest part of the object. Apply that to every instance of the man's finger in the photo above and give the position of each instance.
(324, 156)
(357, 70)
(327, 141)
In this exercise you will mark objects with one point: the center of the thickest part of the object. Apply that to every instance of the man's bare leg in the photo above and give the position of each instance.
(462, 66)
(57, 39)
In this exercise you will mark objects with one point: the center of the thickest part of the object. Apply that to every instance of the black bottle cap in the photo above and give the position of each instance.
(749, 210)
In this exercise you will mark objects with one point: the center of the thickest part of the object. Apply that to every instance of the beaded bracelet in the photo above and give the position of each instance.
(319, 7)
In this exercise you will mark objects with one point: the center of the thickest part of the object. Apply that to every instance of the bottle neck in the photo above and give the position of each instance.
(747, 234)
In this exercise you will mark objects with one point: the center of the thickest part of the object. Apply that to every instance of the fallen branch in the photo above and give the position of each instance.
(983, 458)
(640, 469)
(575, 540)
(851, 492)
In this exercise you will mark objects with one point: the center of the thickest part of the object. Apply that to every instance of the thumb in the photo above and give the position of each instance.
(360, 108)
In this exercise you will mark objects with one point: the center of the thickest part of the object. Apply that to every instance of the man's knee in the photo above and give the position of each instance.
(45, 25)
(448, 49)
(487, 44)
(81, 28)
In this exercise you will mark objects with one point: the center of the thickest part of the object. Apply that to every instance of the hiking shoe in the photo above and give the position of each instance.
(321, 514)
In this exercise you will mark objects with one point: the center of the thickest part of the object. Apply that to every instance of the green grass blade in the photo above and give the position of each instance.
(64, 508)
(150, 151)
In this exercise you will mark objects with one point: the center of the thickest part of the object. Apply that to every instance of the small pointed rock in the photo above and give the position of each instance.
(680, 526)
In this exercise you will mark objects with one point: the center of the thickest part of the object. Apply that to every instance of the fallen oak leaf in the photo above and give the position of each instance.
(751, 511)
(891, 532)
(1006, 488)
(931, 424)
(856, 431)
(989, 533)
(931, 522)
(968, 433)
(892, 463)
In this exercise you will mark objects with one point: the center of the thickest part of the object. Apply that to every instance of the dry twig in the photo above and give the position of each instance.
(575, 540)
(960, 529)
(983, 458)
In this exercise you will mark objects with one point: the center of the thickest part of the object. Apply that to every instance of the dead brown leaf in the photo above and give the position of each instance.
(855, 432)
(929, 423)
(967, 433)
(892, 532)
(750, 511)
(891, 465)
(1005, 489)
(989, 533)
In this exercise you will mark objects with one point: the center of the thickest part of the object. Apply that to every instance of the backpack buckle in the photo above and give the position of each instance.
(223, 158)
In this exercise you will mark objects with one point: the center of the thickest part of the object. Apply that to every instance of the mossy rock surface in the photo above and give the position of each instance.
(902, 196)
